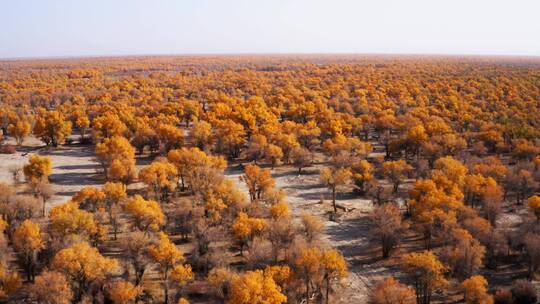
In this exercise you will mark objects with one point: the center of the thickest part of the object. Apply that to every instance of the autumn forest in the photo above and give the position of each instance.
(270, 179)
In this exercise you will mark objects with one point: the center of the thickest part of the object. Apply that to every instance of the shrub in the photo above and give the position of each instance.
(523, 292)
(8, 149)
(503, 296)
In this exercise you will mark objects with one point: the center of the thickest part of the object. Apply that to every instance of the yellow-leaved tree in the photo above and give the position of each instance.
(20, 130)
(123, 292)
(81, 121)
(146, 214)
(395, 172)
(182, 301)
(181, 275)
(426, 272)
(279, 210)
(108, 125)
(533, 203)
(161, 178)
(255, 287)
(201, 134)
(335, 179)
(169, 136)
(257, 180)
(114, 194)
(90, 198)
(167, 256)
(245, 228)
(362, 175)
(308, 268)
(475, 290)
(334, 267)
(83, 265)
(38, 168)
(10, 282)
(28, 241)
(52, 127)
(117, 157)
(67, 220)
(315, 266)
(196, 168)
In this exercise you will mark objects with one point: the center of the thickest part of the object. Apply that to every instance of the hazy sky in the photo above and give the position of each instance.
(36, 28)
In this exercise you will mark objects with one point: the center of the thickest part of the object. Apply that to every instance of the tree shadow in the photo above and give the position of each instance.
(66, 179)
(323, 192)
(66, 193)
(67, 152)
(143, 160)
(356, 230)
(353, 238)
(313, 195)
(304, 186)
(78, 167)
(236, 169)
(293, 172)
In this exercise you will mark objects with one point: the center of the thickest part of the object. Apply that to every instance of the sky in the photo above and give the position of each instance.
(58, 28)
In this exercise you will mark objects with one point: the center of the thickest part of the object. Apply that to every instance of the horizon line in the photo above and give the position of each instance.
(275, 54)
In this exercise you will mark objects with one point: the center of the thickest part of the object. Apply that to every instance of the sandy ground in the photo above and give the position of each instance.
(74, 167)
(350, 234)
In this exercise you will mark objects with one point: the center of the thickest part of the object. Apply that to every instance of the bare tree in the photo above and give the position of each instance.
(532, 253)
(387, 226)
(135, 247)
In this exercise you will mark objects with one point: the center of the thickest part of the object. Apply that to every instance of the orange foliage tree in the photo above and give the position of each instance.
(257, 180)
(117, 157)
(28, 241)
(255, 287)
(51, 127)
(38, 168)
(83, 265)
(390, 291)
(426, 273)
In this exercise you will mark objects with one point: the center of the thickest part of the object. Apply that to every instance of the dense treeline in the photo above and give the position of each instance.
(444, 148)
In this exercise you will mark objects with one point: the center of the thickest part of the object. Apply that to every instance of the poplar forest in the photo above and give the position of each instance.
(267, 179)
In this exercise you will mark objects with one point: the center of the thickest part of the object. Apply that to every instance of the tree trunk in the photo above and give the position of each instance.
(334, 199)
(138, 276)
(115, 229)
(385, 249)
(327, 288)
(166, 290)
(307, 291)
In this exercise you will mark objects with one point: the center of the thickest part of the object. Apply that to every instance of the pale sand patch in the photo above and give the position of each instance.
(74, 167)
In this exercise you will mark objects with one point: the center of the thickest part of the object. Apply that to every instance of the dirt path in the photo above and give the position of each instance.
(350, 235)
